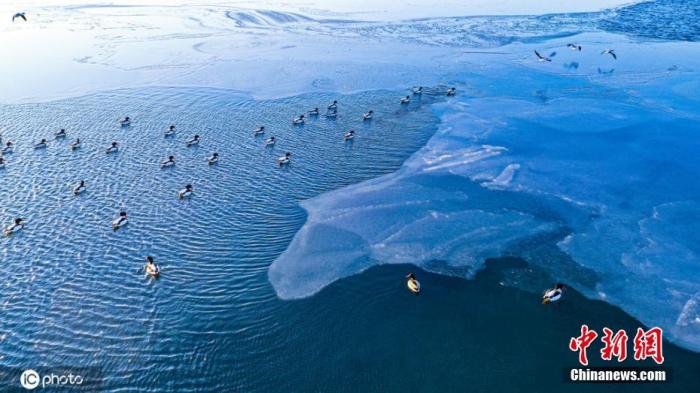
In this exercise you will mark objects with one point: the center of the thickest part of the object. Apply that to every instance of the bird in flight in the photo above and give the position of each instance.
(610, 52)
(574, 47)
(19, 15)
(545, 58)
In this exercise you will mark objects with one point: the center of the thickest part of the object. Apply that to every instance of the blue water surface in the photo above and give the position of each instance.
(74, 292)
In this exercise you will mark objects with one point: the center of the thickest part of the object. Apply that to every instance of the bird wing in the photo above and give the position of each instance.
(552, 54)
(539, 56)
(23, 17)
(613, 55)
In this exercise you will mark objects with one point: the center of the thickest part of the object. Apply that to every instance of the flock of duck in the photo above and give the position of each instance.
(122, 219)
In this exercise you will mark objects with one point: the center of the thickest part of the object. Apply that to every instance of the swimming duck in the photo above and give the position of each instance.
(333, 105)
(332, 114)
(113, 148)
(270, 141)
(170, 131)
(7, 149)
(75, 144)
(368, 115)
(314, 112)
(213, 159)
(299, 120)
(418, 90)
(79, 188)
(151, 268)
(121, 220)
(61, 133)
(126, 121)
(2, 163)
(17, 225)
(412, 284)
(194, 141)
(451, 91)
(259, 131)
(349, 135)
(285, 159)
(186, 192)
(552, 295)
(168, 163)
(406, 100)
(41, 145)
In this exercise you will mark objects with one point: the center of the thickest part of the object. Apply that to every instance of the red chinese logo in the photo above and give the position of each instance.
(647, 344)
(614, 345)
(582, 342)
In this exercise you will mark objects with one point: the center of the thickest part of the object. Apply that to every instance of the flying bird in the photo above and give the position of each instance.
(19, 15)
(610, 52)
(574, 47)
(545, 58)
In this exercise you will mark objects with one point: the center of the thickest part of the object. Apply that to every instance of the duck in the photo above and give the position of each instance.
(41, 145)
(20, 15)
(259, 131)
(406, 100)
(451, 91)
(124, 122)
(2, 163)
(113, 148)
(543, 59)
(368, 115)
(17, 225)
(121, 220)
(418, 90)
(151, 268)
(170, 131)
(574, 47)
(554, 294)
(332, 114)
(61, 133)
(314, 112)
(299, 120)
(610, 52)
(75, 144)
(8, 148)
(333, 105)
(270, 141)
(213, 159)
(170, 161)
(79, 188)
(193, 142)
(286, 159)
(412, 283)
(186, 192)
(350, 135)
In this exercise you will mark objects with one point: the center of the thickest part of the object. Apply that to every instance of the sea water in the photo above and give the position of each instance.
(583, 167)
(74, 291)
(75, 295)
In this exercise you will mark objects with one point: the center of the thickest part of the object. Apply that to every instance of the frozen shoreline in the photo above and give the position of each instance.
(69, 49)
